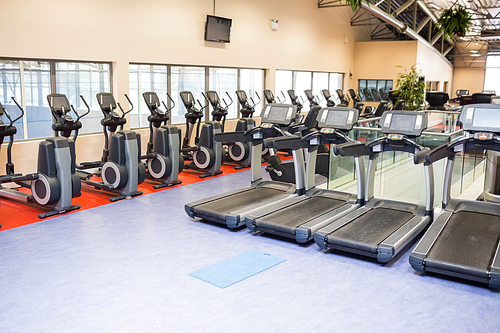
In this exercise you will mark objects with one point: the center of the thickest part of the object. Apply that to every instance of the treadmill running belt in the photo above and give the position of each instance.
(367, 231)
(288, 219)
(468, 242)
(220, 207)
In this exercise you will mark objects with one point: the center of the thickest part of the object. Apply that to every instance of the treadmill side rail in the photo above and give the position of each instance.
(417, 257)
(393, 244)
(305, 232)
(237, 218)
(495, 269)
(322, 234)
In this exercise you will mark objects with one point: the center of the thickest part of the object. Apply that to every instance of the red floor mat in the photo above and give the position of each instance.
(15, 213)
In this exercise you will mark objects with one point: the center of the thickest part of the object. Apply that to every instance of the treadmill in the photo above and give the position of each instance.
(382, 228)
(231, 208)
(463, 241)
(300, 217)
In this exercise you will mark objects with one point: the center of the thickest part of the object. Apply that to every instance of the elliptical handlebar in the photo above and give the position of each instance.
(19, 117)
(201, 106)
(131, 106)
(121, 109)
(253, 102)
(172, 101)
(86, 113)
(227, 105)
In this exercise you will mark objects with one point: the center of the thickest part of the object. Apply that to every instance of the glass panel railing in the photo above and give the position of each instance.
(398, 178)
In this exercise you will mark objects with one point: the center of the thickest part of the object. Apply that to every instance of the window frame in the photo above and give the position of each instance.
(52, 84)
(206, 85)
(312, 87)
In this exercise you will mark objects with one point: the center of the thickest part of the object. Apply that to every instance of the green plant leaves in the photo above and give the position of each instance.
(356, 4)
(410, 87)
(454, 21)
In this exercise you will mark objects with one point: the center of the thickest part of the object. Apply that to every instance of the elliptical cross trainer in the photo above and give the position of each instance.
(164, 160)
(54, 184)
(120, 168)
(206, 154)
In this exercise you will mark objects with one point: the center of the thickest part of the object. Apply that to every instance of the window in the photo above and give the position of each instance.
(300, 81)
(10, 85)
(492, 74)
(186, 79)
(283, 83)
(252, 82)
(225, 80)
(31, 81)
(319, 82)
(87, 79)
(145, 78)
(374, 90)
(195, 79)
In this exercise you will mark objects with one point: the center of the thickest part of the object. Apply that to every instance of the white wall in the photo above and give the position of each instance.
(434, 67)
(171, 32)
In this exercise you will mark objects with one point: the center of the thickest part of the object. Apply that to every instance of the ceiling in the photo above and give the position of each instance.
(414, 19)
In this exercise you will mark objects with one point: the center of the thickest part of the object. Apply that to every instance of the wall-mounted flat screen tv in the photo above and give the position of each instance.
(218, 29)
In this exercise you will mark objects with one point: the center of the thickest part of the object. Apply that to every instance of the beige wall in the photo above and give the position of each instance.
(471, 79)
(171, 32)
(378, 60)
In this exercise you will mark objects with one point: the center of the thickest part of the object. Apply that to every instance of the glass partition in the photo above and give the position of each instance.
(398, 178)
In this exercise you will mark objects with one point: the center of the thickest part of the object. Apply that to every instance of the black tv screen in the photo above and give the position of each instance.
(218, 29)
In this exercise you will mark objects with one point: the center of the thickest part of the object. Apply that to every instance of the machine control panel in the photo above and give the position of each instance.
(481, 118)
(337, 117)
(395, 137)
(278, 114)
(409, 123)
(484, 138)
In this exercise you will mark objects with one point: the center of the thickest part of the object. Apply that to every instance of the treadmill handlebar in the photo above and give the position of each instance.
(354, 148)
(421, 156)
(469, 143)
(328, 135)
(265, 127)
(232, 137)
(285, 142)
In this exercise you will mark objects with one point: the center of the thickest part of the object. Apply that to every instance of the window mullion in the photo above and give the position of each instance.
(23, 100)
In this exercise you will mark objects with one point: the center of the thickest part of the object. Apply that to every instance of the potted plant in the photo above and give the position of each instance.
(410, 87)
(454, 22)
(356, 4)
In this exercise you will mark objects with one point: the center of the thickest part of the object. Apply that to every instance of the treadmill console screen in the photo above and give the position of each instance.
(409, 123)
(486, 118)
(338, 117)
(481, 118)
(277, 113)
(280, 114)
(402, 123)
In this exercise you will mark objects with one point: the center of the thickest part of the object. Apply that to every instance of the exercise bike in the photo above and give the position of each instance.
(120, 168)
(164, 160)
(54, 184)
(207, 153)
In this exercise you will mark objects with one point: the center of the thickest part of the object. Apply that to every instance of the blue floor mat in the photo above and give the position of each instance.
(238, 268)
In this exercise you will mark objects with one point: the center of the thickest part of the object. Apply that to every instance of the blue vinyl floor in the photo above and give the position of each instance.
(124, 267)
